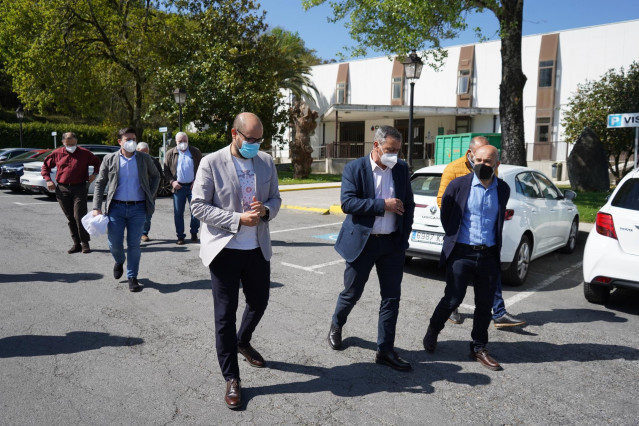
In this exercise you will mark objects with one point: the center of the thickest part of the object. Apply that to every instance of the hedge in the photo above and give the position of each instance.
(38, 135)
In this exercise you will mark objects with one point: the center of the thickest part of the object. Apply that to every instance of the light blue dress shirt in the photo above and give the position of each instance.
(185, 167)
(129, 188)
(479, 222)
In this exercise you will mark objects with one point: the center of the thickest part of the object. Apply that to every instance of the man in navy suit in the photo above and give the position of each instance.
(377, 197)
(472, 213)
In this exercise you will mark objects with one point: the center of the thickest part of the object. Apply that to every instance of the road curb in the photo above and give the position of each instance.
(320, 210)
(284, 189)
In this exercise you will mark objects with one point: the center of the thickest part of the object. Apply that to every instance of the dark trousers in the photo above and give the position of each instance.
(383, 253)
(73, 201)
(466, 266)
(228, 269)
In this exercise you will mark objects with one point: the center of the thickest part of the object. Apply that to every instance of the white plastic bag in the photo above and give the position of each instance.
(95, 225)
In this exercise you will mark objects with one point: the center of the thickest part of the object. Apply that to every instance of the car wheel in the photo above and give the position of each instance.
(164, 190)
(572, 238)
(516, 274)
(595, 293)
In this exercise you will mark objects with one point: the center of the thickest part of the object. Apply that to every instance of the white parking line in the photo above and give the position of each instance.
(306, 227)
(313, 267)
(27, 204)
(525, 294)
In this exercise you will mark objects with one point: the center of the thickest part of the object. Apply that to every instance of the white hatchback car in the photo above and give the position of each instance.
(539, 219)
(611, 254)
(32, 180)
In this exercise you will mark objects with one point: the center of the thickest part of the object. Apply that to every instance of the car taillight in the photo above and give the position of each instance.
(603, 280)
(605, 225)
(423, 206)
(509, 214)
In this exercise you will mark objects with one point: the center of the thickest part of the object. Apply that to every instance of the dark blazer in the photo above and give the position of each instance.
(453, 206)
(171, 160)
(361, 206)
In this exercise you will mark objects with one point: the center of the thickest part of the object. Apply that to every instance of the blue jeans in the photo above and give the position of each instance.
(179, 202)
(466, 266)
(147, 224)
(389, 262)
(131, 218)
(499, 307)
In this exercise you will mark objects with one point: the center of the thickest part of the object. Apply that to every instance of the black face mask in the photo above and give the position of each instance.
(483, 171)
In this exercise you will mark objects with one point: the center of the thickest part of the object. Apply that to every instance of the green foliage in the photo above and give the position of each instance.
(38, 135)
(286, 178)
(615, 92)
(205, 141)
(588, 203)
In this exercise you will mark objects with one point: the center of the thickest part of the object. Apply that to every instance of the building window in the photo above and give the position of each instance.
(397, 88)
(462, 124)
(341, 93)
(543, 129)
(545, 73)
(463, 82)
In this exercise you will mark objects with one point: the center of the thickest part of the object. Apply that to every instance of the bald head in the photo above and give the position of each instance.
(487, 155)
(247, 120)
(476, 142)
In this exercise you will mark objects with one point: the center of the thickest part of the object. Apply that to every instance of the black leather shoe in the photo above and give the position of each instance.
(430, 340)
(118, 270)
(393, 360)
(180, 242)
(508, 320)
(335, 338)
(134, 286)
(194, 238)
(76, 248)
(486, 360)
(252, 356)
(455, 317)
(233, 394)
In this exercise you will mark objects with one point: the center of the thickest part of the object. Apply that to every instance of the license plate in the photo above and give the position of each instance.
(427, 237)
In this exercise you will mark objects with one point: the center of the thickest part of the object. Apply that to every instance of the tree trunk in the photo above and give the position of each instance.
(137, 108)
(511, 89)
(305, 123)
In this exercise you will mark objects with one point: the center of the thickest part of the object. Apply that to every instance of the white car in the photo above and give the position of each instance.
(32, 180)
(539, 219)
(611, 254)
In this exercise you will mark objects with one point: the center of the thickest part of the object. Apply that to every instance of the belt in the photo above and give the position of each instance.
(185, 183)
(480, 247)
(128, 203)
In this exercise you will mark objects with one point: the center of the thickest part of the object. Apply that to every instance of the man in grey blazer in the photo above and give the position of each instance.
(132, 179)
(235, 195)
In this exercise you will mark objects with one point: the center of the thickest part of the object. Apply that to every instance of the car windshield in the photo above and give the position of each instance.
(628, 195)
(42, 156)
(426, 185)
(27, 154)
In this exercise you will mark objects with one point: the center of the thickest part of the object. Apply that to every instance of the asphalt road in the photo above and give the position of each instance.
(77, 348)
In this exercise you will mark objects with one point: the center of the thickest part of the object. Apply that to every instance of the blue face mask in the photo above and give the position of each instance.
(249, 150)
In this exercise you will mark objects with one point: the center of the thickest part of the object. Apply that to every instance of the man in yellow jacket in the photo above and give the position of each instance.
(461, 167)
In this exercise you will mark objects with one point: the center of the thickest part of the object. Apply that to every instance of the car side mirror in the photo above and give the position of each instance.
(570, 195)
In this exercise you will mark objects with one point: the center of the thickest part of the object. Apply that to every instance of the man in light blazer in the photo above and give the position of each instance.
(235, 195)
(378, 199)
(132, 179)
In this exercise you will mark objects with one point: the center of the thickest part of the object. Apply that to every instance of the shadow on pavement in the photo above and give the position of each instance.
(191, 285)
(50, 277)
(73, 342)
(571, 316)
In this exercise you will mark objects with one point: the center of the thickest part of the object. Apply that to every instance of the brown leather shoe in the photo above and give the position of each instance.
(430, 340)
(252, 356)
(233, 395)
(76, 248)
(486, 360)
(86, 248)
(180, 242)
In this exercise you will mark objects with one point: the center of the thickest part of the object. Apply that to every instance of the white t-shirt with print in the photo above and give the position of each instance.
(246, 237)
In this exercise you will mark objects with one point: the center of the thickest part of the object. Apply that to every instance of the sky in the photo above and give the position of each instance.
(540, 16)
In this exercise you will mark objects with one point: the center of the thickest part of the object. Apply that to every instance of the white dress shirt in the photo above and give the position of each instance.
(384, 188)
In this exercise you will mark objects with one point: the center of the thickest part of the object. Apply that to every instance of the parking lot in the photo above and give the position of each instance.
(77, 348)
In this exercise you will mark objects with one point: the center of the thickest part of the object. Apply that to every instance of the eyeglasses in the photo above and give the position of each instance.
(250, 140)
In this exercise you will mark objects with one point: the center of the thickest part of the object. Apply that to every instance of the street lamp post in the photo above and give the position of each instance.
(20, 115)
(413, 68)
(180, 98)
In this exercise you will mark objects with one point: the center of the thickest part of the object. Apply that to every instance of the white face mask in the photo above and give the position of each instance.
(130, 145)
(182, 146)
(389, 160)
(71, 148)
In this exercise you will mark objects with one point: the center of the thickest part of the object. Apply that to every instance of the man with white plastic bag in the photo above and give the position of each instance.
(95, 225)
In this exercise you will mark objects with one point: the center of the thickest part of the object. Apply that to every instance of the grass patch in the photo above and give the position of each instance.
(286, 178)
(588, 203)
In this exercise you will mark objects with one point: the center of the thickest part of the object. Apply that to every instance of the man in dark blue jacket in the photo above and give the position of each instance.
(377, 197)
(472, 213)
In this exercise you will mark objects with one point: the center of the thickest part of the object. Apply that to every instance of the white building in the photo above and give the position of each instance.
(463, 96)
